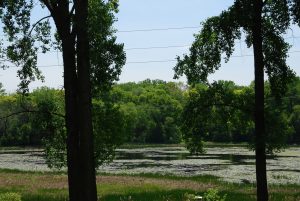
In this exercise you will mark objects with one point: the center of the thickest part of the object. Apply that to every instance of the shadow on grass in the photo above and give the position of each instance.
(161, 195)
(171, 195)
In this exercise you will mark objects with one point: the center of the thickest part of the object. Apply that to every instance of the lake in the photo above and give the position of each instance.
(233, 164)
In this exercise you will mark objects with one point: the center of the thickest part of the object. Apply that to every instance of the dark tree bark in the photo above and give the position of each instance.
(62, 20)
(72, 120)
(75, 46)
(260, 138)
(86, 162)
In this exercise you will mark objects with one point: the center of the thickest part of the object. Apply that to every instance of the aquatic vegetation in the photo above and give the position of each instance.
(231, 164)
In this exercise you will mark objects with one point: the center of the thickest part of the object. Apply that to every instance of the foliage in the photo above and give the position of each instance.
(107, 124)
(15, 131)
(295, 10)
(213, 195)
(219, 112)
(278, 128)
(151, 110)
(216, 38)
(10, 197)
(106, 55)
(2, 91)
(109, 129)
(295, 121)
(223, 112)
(23, 42)
(75, 21)
(45, 120)
(39, 120)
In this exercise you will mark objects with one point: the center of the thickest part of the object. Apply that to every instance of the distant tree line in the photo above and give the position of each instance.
(152, 111)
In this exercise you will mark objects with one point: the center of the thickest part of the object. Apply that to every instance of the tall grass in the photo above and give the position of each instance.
(41, 186)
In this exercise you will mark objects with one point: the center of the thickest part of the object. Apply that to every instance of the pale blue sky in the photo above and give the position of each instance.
(160, 14)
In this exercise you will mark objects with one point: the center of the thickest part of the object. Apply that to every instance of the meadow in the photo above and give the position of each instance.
(41, 186)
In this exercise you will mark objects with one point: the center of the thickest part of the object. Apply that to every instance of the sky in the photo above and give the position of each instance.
(154, 32)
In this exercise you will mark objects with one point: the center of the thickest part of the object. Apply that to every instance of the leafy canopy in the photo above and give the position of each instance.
(219, 33)
(26, 39)
(216, 40)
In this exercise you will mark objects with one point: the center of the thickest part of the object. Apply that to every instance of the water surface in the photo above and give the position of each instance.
(233, 164)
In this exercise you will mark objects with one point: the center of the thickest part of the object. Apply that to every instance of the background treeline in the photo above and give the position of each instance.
(152, 111)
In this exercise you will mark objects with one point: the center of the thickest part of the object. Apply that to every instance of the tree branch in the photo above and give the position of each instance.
(72, 10)
(264, 2)
(35, 24)
(231, 105)
(47, 4)
(31, 111)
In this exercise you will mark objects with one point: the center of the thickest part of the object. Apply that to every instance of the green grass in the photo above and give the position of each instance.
(46, 186)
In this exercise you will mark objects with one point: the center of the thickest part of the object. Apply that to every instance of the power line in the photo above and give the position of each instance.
(156, 47)
(251, 55)
(152, 29)
(158, 29)
(173, 60)
(154, 61)
(137, 48)
(42, 66)
(163, 47)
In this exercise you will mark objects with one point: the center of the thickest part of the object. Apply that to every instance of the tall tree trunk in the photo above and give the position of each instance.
(87, 164)
(80, 150)
(72, 121)
(260, 138)
(63, 23)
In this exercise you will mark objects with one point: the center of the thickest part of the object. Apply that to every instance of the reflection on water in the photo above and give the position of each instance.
(233, 164)
(152, 155)
(166, 155)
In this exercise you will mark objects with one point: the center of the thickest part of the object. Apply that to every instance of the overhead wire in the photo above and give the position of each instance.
(152, 29)
(152, 61)
(158, 29)
(158, 47)
(162, 47)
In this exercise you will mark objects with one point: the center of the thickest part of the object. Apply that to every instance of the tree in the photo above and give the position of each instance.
(80, 69)
(263, 23)
(2, 91)
(216, 113)
(295, 10)
(295, 121)
(151, 109)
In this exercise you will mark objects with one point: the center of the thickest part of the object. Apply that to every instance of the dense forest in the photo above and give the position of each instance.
(153, 111)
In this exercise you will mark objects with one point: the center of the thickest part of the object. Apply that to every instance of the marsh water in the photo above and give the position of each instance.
(233, 164)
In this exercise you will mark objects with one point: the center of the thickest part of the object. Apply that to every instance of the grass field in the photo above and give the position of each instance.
(39, 186)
